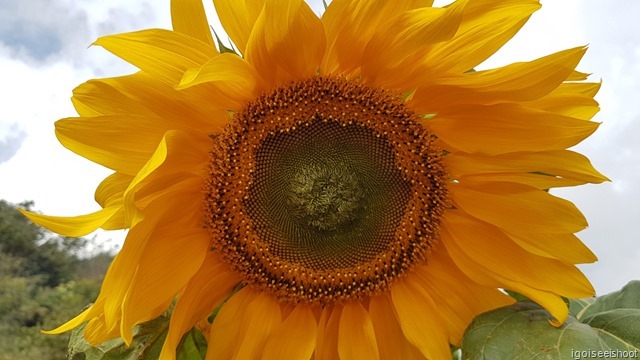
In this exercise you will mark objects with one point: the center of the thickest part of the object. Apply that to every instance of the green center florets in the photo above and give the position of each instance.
(326, 195)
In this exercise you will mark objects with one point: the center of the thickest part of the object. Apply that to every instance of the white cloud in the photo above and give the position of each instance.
(11, 142)
(39, 31)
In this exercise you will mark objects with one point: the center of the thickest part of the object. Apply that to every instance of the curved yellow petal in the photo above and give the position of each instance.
(564, 247)
(538, 181)
(208, 287)
(111, 189)
(162, 53)
(110, 192)
(96, 332)
(356, 338)
(484, 275)
(506, 258)
(231, 75)
(486, 26)
(561, 163)
(188, 17)
(420, 321)
(349, 25)
(450, 289)
(503, 128)
(93, 311)
(238, 18)
(570, 99)
(122, 270)
(73, 226)
(523, 81)
(100, 97)
(178, 162)
(225, 336)
(392, 52)
(142, 94)
(242, 326)
(391, 341)
(261, 317)
(294, 338)
(517, 208)
(327, 340)
(120, 142)
(172, 256)
(287, 42)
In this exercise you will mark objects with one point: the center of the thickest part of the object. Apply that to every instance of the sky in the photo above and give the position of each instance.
(45, 52)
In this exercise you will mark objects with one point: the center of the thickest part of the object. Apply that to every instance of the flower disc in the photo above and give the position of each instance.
(324, 189)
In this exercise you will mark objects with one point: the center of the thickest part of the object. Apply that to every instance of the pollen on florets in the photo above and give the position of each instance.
(324, 190)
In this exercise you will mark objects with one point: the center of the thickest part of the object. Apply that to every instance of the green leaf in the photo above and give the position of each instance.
(147, 344)
(609, 324)
(578, 305)
(193, 346)
(619, 323)
(626, 298)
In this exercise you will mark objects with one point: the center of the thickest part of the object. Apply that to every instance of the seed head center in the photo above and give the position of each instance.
(326, 195)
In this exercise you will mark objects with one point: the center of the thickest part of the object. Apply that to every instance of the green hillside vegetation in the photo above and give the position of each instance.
(43, 282)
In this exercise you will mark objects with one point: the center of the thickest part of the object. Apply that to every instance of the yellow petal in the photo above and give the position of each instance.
(101, 97)
(231, 75)
(486, 26)
(73, 226)
(570, 99)
(502, 128)
(484, 275)
(349, 26)
(327, 341)
(450, 289)
(188, 17)
(242, 325)
(110, 192)
(562, 163)
(162, 53)
(122, 270)
(294, 338)
(494, 250)
(177, 165)
(93, 311)
(420, 321)
(120, 142)
(538, 181)
(356, 338)
(391, 341)
(142, 94)
(238, 18)
(287, 42)
(171, 257)
(564, 247)
(261, 317)
(518, 208)
(205, 291)
(515, 82)
(96, 332)
(389, 56)
(112, 188)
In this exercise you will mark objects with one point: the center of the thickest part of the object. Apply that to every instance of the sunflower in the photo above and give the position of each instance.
(343, 186)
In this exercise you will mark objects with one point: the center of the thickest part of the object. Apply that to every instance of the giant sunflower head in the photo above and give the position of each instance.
(345, 185)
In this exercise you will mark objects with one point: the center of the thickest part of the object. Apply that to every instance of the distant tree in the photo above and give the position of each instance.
(49, 256)
(43, 283)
